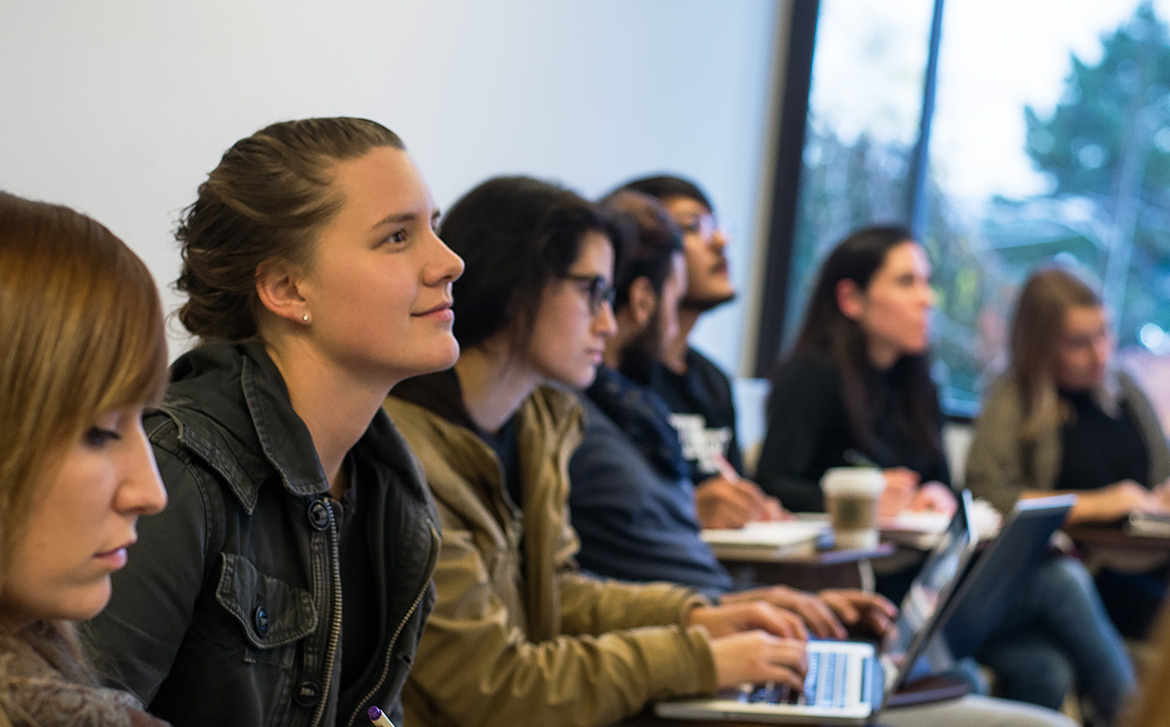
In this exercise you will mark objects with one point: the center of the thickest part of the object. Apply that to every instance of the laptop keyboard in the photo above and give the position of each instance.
(824, 685)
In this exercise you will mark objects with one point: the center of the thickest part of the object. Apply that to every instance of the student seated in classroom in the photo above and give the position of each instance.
(1064, 419)
(632, 501)
(84, 353)
(519, 635)
(697, 391)
(857, 381)
(288, 579)
(631, 498)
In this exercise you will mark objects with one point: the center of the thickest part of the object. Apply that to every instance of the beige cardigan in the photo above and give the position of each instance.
(1000, 465)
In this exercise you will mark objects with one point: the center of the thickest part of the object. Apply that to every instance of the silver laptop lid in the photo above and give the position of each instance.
(937, 581)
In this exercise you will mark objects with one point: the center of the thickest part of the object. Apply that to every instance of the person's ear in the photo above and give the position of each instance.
(643, 301)
(277, 285)
(850, 299)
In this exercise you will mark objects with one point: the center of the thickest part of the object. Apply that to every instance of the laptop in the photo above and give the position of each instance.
(847, 681)
(984, 595)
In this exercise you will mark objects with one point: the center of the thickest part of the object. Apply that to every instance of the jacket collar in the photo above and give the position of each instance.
(233, 410)
(440, 393)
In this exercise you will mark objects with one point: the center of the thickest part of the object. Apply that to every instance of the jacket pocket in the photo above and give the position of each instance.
(270, 612)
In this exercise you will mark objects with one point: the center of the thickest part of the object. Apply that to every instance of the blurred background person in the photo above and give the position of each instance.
(1064, 419)
(697, 390)
(855, 389)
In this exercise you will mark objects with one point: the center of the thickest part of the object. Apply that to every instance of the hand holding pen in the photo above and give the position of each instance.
(729, 501)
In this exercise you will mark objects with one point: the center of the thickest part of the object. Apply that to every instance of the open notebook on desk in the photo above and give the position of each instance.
(769, 540)
(847, 681)
(922, 530)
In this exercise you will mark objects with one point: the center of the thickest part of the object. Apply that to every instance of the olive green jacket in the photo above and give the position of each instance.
(519, 636)
(1001, 465)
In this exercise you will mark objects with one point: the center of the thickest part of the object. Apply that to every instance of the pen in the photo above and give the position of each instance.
(378, 718)
(725, 467)
(857, 459)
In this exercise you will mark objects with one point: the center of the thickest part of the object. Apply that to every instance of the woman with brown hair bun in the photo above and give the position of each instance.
(84, 352)
(289, 579)
(1064, 419)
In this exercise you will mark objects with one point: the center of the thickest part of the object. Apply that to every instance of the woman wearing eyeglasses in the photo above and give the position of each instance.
(1063, 419)
(518, 635)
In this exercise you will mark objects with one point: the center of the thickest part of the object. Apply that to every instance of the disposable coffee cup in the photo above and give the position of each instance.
(851, 500)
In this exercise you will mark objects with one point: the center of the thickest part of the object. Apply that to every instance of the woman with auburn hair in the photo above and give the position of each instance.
(288, 581)
(1063, 419)
(84, 352)
(519, 635)
(857, 387)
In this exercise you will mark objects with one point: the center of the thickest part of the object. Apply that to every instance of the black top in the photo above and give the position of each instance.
(703, 412)
(359, 617)
(809, 432)
(1098, 450)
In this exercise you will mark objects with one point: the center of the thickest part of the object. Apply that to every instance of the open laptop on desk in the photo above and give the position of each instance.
(847, 682)
(983, 597)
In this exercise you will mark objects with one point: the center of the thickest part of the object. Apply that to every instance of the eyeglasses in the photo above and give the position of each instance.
(596, 288)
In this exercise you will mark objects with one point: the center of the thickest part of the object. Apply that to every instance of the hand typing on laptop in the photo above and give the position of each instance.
(754, 642)
(830, 614)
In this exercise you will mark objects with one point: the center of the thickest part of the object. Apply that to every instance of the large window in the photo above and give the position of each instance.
(1044, 134)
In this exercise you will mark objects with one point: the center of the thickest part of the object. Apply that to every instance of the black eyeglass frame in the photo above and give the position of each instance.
(599, 290)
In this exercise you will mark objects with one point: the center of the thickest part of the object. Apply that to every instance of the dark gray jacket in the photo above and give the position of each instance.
(229, 612)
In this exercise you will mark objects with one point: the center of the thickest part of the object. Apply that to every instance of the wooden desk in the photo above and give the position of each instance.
(1112, 537)
(812, 571)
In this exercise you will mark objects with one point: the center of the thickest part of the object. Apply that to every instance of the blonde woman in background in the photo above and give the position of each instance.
(1064, 419)
(84, 352)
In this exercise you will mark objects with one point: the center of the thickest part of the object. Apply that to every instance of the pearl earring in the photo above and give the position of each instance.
(305, 318)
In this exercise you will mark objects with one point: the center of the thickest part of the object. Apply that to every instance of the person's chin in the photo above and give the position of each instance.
(583, 379)
(444, 355)
(709, 299)
(87, 603)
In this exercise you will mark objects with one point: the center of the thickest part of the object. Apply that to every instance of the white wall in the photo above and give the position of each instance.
(120, 108)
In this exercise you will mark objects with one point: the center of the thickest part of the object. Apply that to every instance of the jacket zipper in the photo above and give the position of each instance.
(335, 627)
(431, 563)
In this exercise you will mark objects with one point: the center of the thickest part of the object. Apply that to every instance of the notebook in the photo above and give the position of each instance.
(768, 540)
(847, 681)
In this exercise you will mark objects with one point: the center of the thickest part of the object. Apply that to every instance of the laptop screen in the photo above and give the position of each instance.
(931, 588)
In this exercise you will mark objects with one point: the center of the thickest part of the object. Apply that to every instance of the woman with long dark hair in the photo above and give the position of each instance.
(857, 383)
(857, 388)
